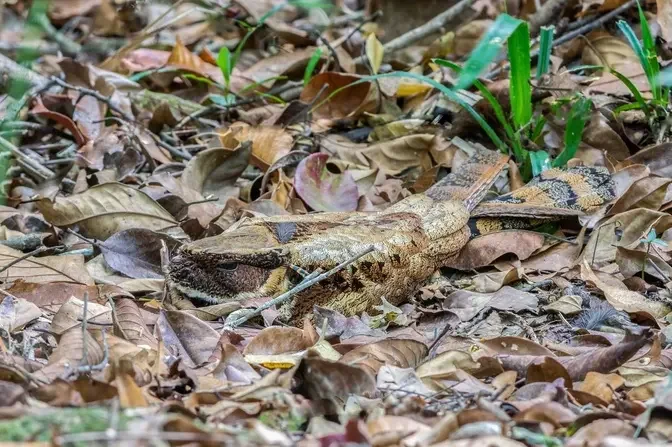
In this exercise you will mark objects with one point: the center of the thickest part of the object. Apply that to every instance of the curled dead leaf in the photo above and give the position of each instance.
(403, 353)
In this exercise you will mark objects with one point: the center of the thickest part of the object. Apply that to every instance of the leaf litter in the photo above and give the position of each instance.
(138, 127)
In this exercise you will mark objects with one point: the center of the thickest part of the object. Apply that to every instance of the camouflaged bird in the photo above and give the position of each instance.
(411, 240)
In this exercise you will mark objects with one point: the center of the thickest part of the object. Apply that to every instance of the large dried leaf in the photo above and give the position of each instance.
(71, 314)
(602, 360)
(130, 325)
(15, 313)
(106, 209)
(349, 102)
(466, 304)
(187, 336)
(334, 381)
(402, 353)
(623, 299)
(46, 269)
(136, 252)
(215, 171)
(323, 190)
(291, 65)
(277, 340)
(71, 348)
(483, 250)
(608, 51)
(269, 143)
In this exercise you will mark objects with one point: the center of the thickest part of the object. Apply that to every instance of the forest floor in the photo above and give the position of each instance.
(130, 129)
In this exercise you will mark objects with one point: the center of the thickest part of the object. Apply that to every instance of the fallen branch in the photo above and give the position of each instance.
(308, 281)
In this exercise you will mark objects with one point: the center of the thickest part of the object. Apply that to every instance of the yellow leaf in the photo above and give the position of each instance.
(374, 52)
(411, 89)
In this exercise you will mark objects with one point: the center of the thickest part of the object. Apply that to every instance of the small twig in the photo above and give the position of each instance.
(520, 321)
(28, 255)
(84, 369)
(423, 31)
(85, 361)
(307, 282)
(95, 94)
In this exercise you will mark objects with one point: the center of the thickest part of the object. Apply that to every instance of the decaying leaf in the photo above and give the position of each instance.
(103, 210)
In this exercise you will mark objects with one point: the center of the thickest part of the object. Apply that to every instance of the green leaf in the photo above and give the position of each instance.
(660, 242)
(312, 63)
(539, 161)
(545, 49)
(520, 89)
(224, 64)
(576, 122)
(487, 49)
(222, 100)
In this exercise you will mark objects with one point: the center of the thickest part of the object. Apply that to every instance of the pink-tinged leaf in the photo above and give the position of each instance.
(323, 190)
(41, 110)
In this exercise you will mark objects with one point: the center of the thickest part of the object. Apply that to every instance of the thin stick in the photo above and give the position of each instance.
(34, 166)
(423, 31)
(85, 361)
(308, 281)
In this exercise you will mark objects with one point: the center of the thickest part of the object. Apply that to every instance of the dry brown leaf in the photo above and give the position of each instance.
(130, 325)
(400, 353)
(70, 349)
(184, 59)
(648, 192)
(594, 433)
(106, 209)
(483, 250)
(215, 171)
(547, 369)
(658, 158)
(277, 340)
(349, 102)
(71, 314)
(444, 365)
(466, 304)
(269, 143)
(194, 340)
(468, 35)
(130, 394)
(607, 50)
(289, 64)
(333, 382)
(46, 269)
(601, 385)
(626, 300)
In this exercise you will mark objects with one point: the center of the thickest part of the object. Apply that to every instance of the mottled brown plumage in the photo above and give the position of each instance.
(412, 239)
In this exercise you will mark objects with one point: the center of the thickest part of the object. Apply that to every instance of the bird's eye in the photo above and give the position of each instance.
(227, 266)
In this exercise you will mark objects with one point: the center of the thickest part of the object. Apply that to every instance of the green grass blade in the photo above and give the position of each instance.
(224, 64)
(487, 49)
(494, 103)
(639, 51)
(665, 78)
(651, 56)
(440, 87)
(576, 122)
(633, 89)
(312, 63)
(513, 137)
(520, 89)
(545, 49)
